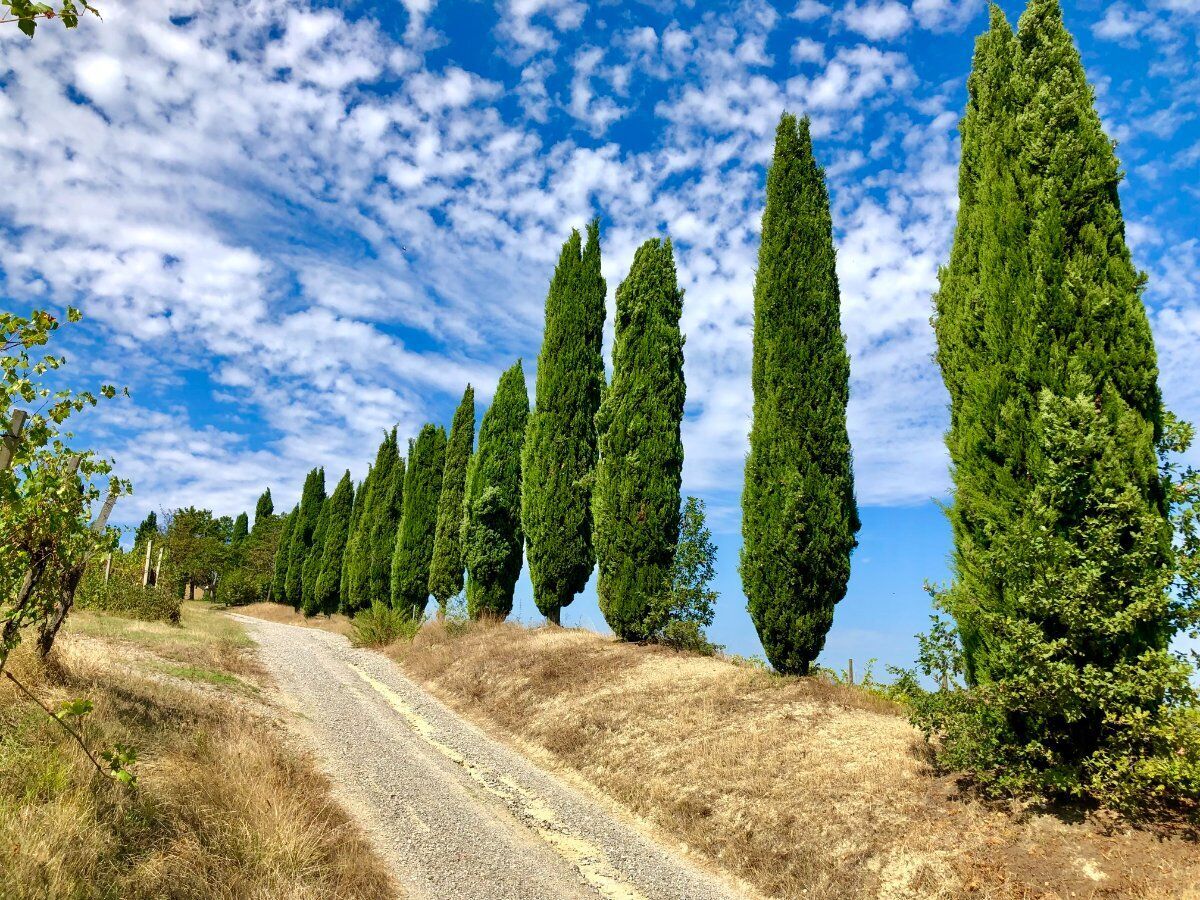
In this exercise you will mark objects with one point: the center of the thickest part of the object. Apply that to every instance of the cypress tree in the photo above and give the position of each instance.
(799, 517)
(311, 500)
(560, 446)
(264, 509)
(446, 569)
(147, 530)
(241, 529)
(337, 530)
(1063, 558)
(312, 562)
(282, 555)
(384, 528)
(350, 555)
(367, 505)
(636, 497)
(418, 522)
(492, 537)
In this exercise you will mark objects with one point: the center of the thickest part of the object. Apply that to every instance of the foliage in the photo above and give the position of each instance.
(26, 13)
(492, 534)
(197, 544)
(250, 571)
(559, 455)
(368, 509)
(123, 593)
(49, 491)
(241, 529)
(147, 530)
(678, 615)
(1068, 584)
(282, 549)
(337, 527)
(636, 496)
(799, 516)
(264, 509)
(447, 566)
(418, 522)
(311, 568)
(379, 625)
(312, 499)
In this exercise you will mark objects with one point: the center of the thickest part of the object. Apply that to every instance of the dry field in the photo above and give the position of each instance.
(223, 808)
(805, 789)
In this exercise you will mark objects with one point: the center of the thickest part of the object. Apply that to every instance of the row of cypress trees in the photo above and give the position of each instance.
(592, 474)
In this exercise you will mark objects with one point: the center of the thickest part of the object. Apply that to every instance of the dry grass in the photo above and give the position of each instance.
(803, 788)
(277, 612)
(223, 808)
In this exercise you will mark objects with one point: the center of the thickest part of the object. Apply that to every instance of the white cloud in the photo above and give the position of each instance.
(877, 20)
(947, 15)
(806, 50)
(810, 11)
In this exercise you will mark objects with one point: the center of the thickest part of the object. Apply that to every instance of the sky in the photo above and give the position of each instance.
(292, 225)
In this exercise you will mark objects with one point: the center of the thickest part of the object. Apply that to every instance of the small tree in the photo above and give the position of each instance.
(492, 536)
(678, 615)
(241, 529)
(264, 509)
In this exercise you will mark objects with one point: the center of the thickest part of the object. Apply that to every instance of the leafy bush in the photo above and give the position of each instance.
(242, 586)
(678, 616)
(379, 625)
(123, 594)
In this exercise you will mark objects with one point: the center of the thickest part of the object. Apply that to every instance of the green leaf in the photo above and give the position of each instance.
(27, 26)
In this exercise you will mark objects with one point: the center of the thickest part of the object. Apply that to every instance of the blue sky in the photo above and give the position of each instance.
(291, 225)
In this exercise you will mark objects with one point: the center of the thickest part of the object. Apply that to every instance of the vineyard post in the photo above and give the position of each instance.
(146, 567)
(9, 447)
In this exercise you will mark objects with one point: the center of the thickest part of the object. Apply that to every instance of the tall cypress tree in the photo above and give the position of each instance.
(1063, 561)
(636, 498)
(418, 522)
(367, 504)
(385, 524)
(337, 529)
(492, 536)
(311, 500)
(312, 562)
(560, 446)
(282, 555)
(241, 529)
(799, 517)
(264, 509)
(349, 555)
(446, 569)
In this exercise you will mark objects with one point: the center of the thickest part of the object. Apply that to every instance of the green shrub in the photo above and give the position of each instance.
(678, 616)
(379, 625)
(123, 594)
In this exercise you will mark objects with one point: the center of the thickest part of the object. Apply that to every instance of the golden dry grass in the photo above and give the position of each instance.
(277, 612)
(803, 788)
(223, 807)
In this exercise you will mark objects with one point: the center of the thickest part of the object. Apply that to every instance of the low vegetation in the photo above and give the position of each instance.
(222, 807)
(802, 786)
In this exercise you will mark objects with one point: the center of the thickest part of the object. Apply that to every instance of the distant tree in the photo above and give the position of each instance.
(678, 615)
(418, 522)
(241, 530)
(283, 551)
(560, 446)
(492, 536)
(446, 569)
(799, 516)
(311, 570)
(386, 523)
(264, 509)
(148, 530)
(368, 503)
(636, 497)
(197, 543)
(337, 529)
(311, 500)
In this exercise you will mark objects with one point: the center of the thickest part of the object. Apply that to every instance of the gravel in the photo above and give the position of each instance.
(456, 814)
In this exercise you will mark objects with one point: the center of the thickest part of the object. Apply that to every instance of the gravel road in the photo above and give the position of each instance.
(458, 815)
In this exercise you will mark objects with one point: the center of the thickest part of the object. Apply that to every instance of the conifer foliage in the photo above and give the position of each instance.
(1062, 517)
(303, 531)
(560, 445)
(446, 568)
(418, 522)
(241, 529)
(799, 517)
(282, 555)
(369, 503)
(311, 570)
(337, 527)
(492, 535)
(264, 509)
(636, 499)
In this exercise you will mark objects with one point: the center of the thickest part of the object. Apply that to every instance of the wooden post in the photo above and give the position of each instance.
(158, 565)
(107, 567)
(9, 447)
(945, 681)
(146, 567)
(850, 672)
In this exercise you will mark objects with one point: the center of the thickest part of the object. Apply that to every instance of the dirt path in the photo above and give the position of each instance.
(458, 815)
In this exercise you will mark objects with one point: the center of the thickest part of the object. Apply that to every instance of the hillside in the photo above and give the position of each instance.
(801, 787)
